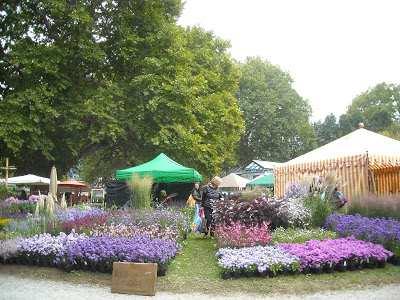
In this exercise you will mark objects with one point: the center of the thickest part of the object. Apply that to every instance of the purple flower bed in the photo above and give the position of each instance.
(98, 253)
(313, 256)
(74, 214)
(377, 230)
(257, 260)
(81, 220)
(154, 231)
(337, 254)
(14, 208)
(78, 251)
(45, 249)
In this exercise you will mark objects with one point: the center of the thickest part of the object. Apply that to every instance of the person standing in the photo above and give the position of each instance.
(210, 194)
(197, 220)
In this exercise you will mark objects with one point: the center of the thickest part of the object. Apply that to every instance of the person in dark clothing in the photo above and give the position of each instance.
(197, 225)
(210, 194)
(196, 193)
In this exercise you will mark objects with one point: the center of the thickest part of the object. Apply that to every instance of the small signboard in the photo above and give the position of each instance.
(134, 278)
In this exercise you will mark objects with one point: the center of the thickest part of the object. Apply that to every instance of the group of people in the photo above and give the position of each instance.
(204, 201)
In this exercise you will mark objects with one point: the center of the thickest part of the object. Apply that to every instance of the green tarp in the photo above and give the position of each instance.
(163, 170)
(265, 180)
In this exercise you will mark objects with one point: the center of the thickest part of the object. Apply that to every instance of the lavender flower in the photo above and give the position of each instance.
(108, 249)
(376, 230)
(46, 245)
(267, 258)
(9, 248)
(316, 254)
(74, 214)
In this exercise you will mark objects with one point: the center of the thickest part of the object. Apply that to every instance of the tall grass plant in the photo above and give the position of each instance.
(376, 206)
(141, 188)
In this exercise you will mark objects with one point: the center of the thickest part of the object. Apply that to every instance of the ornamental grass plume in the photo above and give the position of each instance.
(141, 188)
(376, 206)
(63, 203)
(50, 205)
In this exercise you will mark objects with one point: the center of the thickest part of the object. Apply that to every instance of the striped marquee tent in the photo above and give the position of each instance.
(363, 161)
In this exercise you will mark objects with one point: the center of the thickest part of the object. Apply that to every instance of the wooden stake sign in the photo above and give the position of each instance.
(134, 278)
(8, 168)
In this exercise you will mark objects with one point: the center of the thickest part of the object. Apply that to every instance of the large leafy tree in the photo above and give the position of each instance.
(276, 117)
(326, 131)
(113, 83)
(378, 108)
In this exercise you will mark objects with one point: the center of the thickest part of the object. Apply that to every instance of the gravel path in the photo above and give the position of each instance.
(15, 288)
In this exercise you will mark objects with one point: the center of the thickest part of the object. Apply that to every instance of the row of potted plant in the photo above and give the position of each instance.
(313, 256)
(78, 251)
(377, 230)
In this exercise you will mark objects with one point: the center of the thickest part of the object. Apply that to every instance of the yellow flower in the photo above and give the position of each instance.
(4, 221)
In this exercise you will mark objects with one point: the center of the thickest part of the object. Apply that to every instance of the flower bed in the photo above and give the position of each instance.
(239, 235)
(377, 230)
(13, 207)
(81, 220)
(337, 254)
(45, 249)
(98, 253)
(286, 212)
(167, 220)
(131, 230)
(8, 249)
(313, 256)
(78, 251)
(258, 260)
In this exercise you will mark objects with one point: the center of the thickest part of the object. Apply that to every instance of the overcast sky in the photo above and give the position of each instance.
(333, 49)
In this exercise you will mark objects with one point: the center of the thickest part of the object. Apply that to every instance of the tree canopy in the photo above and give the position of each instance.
(111, 84)
(378, 109)
(276, 117)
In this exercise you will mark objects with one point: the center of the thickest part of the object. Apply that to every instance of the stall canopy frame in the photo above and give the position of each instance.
(161, 169)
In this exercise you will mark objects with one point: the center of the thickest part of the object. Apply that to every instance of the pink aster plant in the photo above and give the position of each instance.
(239, 235)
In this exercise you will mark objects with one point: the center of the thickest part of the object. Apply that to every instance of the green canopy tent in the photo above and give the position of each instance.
(162, 169)
(263, 180)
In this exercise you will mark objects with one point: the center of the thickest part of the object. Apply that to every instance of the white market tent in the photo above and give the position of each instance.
(363, 161)
(233, 182)
(29, 180)
(357, 142)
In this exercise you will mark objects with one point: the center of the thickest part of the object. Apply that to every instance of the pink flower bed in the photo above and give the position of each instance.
(239, 235)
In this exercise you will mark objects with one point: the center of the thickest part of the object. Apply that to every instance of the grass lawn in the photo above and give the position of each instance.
(195, 270)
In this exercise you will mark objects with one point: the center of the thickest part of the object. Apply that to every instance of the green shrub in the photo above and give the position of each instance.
(6, 192)
(320, 207)
(297, 235)
(376, 206)
(3, 192)
(141, 188)
(25, 227)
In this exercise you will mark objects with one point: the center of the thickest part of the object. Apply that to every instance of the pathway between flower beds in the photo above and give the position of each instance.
(38, 289)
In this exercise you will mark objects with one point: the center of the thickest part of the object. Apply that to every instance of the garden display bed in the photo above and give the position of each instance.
(310, 257)
(377, 230)
(80, 252)
(93, 239)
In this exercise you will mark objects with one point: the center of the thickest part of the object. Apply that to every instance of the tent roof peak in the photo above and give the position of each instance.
(359, 141)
